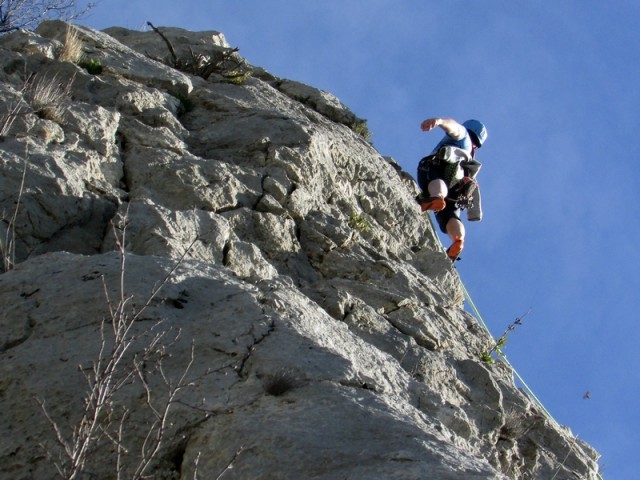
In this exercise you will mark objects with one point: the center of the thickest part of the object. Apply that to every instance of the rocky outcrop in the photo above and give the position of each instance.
(281, 306)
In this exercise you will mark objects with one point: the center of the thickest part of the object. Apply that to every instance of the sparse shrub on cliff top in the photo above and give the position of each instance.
(219, 60)
(360, 127)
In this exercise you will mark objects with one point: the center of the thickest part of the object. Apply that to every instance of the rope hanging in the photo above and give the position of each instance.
(526, 387)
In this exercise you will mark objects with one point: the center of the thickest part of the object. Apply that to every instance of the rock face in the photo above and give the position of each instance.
(271, 300)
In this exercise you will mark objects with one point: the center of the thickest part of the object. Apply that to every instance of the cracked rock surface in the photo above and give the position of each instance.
(290, 303)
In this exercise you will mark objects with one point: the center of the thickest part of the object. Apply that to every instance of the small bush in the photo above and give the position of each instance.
(104, 418)
(486, 357)
(513, 427)
(93, 66)
(359, 222)
(219, 60)
(186, 104)
(237, 77)
(360, 127)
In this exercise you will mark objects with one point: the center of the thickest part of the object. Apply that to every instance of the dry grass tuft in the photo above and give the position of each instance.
(47, 97)
(281, 382)
(514, 426)
(73, 47)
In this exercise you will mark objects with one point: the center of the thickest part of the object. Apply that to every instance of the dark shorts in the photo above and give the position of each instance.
(443, 216)
(428, 171)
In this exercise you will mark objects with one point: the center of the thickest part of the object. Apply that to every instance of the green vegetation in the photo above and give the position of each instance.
(360, 127)
(93, 66)
(186, 103)
(487, 355)
(359, 222)
(237, 77)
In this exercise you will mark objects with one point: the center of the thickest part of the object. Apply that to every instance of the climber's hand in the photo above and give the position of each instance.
(430, 124)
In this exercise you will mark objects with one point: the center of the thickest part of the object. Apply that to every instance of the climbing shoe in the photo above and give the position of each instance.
(433, 203)
(453, 252)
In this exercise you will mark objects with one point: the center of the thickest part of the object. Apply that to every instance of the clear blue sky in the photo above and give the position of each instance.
(556, 84)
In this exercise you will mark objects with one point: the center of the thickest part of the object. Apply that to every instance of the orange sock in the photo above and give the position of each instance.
(433, 203)
(456, 247)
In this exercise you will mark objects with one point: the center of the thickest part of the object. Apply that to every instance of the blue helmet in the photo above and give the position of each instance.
(477, 129)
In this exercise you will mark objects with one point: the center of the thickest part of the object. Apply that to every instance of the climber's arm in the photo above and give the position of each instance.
(450, 126)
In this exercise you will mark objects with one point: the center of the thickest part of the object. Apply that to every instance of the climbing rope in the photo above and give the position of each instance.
(506, 361)
(528, 390)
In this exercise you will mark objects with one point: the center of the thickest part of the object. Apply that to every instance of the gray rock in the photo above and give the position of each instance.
(283, 295)
(321, 101)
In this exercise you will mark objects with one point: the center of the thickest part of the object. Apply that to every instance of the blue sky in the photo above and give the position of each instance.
(555, 82)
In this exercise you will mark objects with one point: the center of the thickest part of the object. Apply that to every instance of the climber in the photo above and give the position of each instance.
(447, 177)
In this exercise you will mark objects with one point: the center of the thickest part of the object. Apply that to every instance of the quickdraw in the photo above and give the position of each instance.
(463, 202)
(462, 193)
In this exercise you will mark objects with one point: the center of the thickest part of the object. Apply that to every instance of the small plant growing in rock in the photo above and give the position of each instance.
(92, 66)
(280, 382)
(487, 355)
(186, 103)
(513, 427)
(73, 51)
(360, 127)
(359, 222)
(237, 77)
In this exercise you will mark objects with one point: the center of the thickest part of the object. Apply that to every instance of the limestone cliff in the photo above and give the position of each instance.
(281, 305)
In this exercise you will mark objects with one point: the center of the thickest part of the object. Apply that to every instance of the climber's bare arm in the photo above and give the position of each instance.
(450, 126)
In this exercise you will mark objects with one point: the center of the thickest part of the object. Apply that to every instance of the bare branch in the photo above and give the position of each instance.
(8, 246)
(218, 60)
(230, 464)
(27, 14)
(111, 371)
(172, 51)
